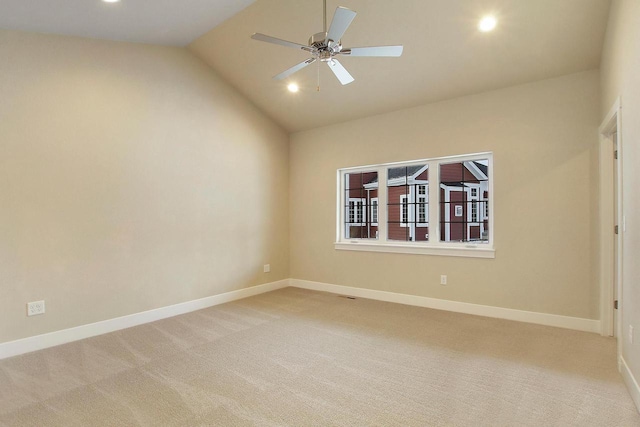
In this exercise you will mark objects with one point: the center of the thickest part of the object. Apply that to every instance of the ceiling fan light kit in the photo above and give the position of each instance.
(325, 46)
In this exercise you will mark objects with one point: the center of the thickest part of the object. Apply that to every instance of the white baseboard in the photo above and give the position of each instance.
(576, 323)
(630, 381)
(39, 342)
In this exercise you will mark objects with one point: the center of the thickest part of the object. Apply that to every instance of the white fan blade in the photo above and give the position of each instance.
(269, 39)
(297, 67)
(373, 51)
(341, 73)
(341, 21)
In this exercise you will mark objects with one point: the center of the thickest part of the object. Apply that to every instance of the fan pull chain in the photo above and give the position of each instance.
(319, 74)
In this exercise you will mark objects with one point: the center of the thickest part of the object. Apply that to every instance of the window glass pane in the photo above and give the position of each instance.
(361, 205)
(408, 203)
(464, 201)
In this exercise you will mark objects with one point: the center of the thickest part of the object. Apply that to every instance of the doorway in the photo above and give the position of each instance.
(611, 222)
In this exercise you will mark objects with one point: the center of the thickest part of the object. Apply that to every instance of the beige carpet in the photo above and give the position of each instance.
(302, 358)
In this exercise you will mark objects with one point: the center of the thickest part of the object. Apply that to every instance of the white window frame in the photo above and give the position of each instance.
(433, 246)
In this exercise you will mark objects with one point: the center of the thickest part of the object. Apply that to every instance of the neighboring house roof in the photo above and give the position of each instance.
(480, 171)
(397, 173)
(413, 171)
(371, 181)
(402, 172)
(483, 168)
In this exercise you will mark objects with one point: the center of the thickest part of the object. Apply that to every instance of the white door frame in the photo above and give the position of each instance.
(607, 267)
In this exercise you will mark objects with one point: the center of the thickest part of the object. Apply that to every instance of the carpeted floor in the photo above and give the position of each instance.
(303, 358)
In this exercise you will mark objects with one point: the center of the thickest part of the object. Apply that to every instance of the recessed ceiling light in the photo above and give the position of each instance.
(293, 87)
(111, 1)
(487, 23)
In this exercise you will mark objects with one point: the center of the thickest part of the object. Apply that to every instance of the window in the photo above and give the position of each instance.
(473, 197)
(461, 183)
(486, 207)
(356, 213)
(374, 211)
(404, 210)
(407, 203)
(359, 213)
(451, 194)
(360, 190)
(423, 211)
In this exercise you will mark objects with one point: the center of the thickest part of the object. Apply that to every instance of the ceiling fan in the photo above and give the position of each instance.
(325, 46)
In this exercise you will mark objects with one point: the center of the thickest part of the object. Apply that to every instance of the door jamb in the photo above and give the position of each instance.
(611, 123)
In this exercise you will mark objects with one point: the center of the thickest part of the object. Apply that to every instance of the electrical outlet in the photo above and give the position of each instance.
(35, 307)
(630, 334)
(267, 268)
(443, 279)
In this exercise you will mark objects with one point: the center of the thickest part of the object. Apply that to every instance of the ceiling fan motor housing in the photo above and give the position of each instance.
(324, 48)
(318, 40)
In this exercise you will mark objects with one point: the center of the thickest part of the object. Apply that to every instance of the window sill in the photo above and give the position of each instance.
(468, 251)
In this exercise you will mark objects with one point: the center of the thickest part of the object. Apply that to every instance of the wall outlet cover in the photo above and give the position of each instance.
(35, 307)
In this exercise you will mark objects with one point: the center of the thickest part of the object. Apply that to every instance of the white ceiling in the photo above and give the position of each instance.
(445, 56)
(163, 22)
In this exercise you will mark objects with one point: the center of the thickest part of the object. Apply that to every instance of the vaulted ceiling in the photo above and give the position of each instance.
(445, 56)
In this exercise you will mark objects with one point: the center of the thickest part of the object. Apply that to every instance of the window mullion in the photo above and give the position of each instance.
(434, 203)
(491, 200)
(341, 201)
(382, 204)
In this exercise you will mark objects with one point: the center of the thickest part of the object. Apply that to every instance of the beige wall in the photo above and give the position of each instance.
(621, 78)
(544, 139)
(131, 178)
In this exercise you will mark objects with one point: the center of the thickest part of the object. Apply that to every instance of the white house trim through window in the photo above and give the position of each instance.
(404, 211)
(357, 213)
(374, 211)
(432, 206)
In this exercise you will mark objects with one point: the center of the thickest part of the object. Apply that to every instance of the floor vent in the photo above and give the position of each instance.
(346, 296)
